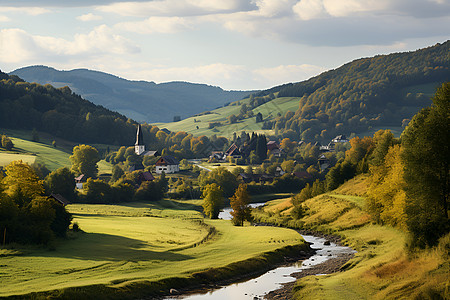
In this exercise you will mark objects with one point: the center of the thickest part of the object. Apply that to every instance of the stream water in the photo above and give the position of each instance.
(256, 288)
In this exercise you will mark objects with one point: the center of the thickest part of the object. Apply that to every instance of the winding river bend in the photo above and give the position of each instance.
(257, 288)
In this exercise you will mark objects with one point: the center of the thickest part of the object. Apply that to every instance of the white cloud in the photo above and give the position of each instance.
(16, 45)
(156, 25)
(309, 9)
(32, 11)
(174, 7)
(4, 19)
(89, 17)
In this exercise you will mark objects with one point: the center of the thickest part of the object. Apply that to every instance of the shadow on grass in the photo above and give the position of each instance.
(107, 247)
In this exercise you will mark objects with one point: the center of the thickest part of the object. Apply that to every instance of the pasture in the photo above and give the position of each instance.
(136, 242)
(268, 110)
(42, 152)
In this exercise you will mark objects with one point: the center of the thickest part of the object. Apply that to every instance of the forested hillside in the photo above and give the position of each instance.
(60, 112)
(384, 90)
(139, 100)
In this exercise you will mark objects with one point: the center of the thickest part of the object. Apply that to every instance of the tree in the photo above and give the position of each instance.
(261, 147)
(259, 117)
(20, 176)
(84, 160)
(212, 200)
(385, 194)
(426, 148)
(7, 143)
(240, 204)
(224, 178)
(61, 181)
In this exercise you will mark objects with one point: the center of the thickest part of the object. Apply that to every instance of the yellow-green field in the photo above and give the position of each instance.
(382, 268)
(30, 152)
(133, 243)
(269, 111)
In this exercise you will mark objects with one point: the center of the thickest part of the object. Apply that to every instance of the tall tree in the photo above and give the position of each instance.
(261, 147)
(20, 176)
(212, 200)
(61, 181)
(426, 148)
(240, 204)
(84, 160)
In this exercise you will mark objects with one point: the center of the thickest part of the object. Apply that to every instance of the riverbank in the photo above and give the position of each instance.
(383, 268)
(330, 266)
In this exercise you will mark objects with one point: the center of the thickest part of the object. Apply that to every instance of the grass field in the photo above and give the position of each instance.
(382, 268)
(127, 244)
(42, 152)
(269, 111)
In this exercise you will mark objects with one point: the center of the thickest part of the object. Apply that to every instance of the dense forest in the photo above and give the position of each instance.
(366, 93)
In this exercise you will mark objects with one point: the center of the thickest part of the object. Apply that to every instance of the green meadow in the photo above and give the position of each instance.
(269, 111)
(382, 268)
(43, 152)
(136, 244)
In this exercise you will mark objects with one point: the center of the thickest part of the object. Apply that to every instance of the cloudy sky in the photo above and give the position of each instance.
(234, 44)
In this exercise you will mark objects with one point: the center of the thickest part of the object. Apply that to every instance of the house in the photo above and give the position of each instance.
(274, 149)
(247, 178)
(279, 172)
(59, 198)
(167, 164)
(80, 180)
(340, 139)
(233, 151)
(139, 146)
(216, 156)
(145, 176)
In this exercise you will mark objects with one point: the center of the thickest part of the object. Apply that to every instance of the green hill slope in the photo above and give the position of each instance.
(382, 91)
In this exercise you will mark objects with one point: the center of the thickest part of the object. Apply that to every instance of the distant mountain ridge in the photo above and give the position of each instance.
(139, 100)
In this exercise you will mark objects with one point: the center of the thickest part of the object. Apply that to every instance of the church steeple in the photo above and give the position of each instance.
(139, 146)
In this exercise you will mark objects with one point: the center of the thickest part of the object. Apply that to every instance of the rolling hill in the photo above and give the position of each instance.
(384, 91)
(139, 100)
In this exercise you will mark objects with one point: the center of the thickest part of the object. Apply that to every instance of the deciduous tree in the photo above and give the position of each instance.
(84, 160)
(212, 200)
(240, 204)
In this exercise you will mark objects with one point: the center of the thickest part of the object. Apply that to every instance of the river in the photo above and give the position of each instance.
(257, 288)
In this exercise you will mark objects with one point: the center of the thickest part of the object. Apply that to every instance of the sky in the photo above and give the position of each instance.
(233, 44)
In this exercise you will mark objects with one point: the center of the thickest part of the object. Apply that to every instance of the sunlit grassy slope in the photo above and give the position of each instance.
(42, 152)
(269, 111)
(382, 268)
(136, 242)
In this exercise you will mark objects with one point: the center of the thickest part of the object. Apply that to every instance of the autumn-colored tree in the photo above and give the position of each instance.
(386, 195)
(240, 204)
(287, 145)
(212, 200)
(84, 160)
(20, 176)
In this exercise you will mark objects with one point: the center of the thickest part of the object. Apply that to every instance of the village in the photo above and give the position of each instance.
(284, 166)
